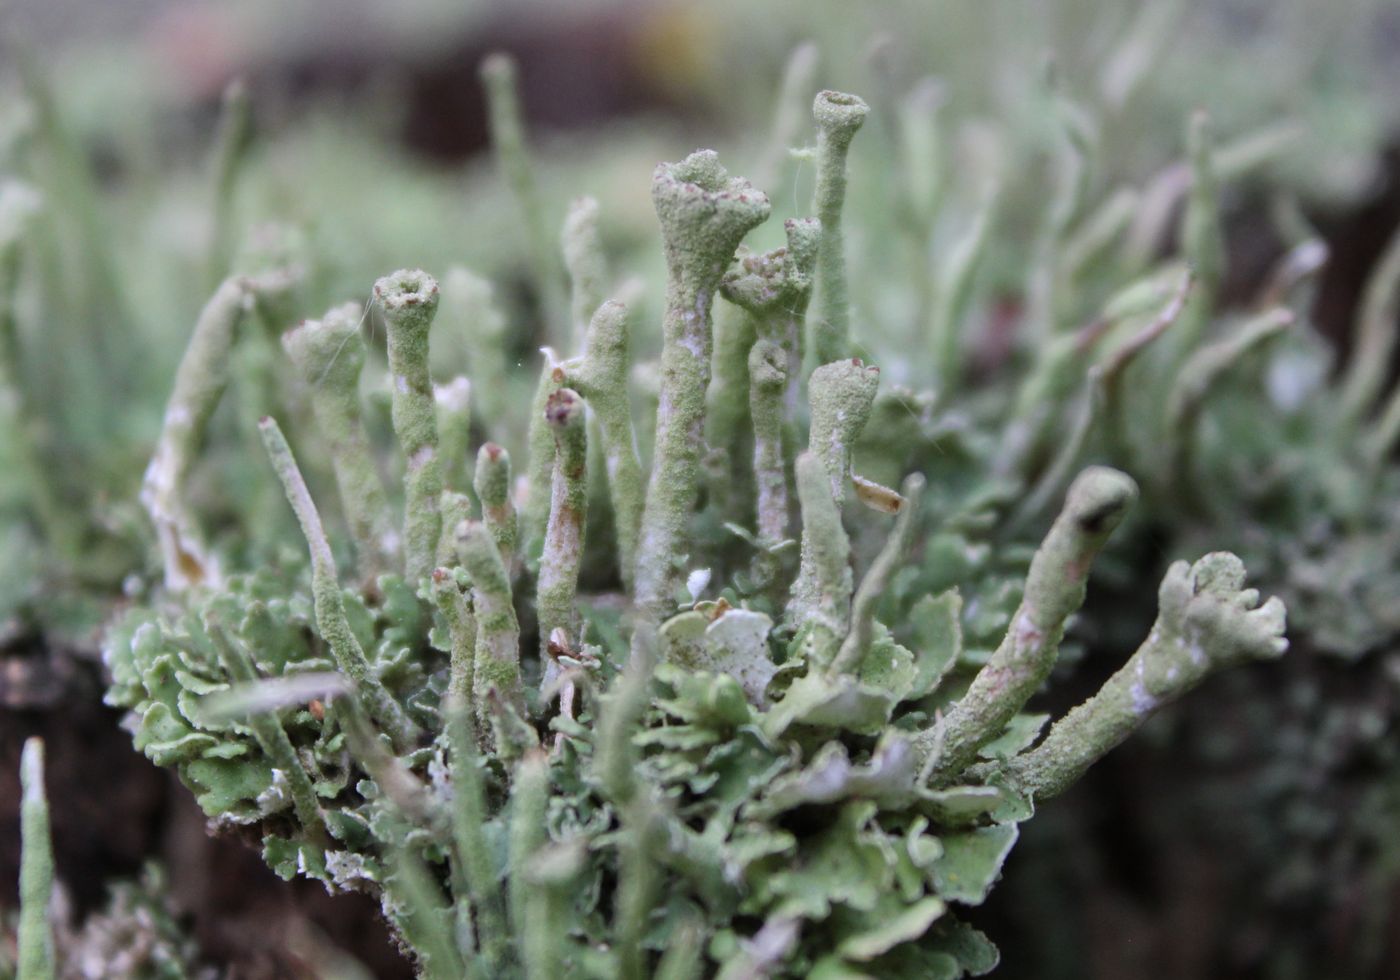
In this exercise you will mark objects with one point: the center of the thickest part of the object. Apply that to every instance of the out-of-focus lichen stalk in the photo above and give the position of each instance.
(1109, 374)
(727, 403)
(200, 381)
(586, 264)
(639, 883)
(1375, 332)
(838, 117)
(329, 354)
(271, 736)
(18, 205)
(548, 875)
(921, 159)
(1101, 406)
(1092, 242)
(841, 396)
(454, 421)
(1072, 175)
(507, 125)
(954, 293)
(703, 215)
(588, 277)
(1202, 236)
(877, 579)
(455, 508)
(473, 850)
(230, 151)
(486, 340)
(421, 914)
(1292, 280)
(767, 381)
(789, 115)
(568, 509)
(822, 592)
(69, 183)
(1206, 622)
(1193, 385)
(409, 300)
(601, 376)
(529, 801)
(1161, 197)
(36, 946)
(1382, 437)
(331, 622)
(492, 484)
(1138, 51)
(1055, 587)
(497, 631)
(540, 462)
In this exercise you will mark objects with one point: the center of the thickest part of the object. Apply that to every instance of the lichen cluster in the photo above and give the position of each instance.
(789, 738)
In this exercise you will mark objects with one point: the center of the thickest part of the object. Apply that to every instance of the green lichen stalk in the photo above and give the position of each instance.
(842, 395)
(704, 215)
(331, 622)
(199, 385)
(775, 288)
(497, 666)
(839, 116)
(1207, 621)
(454, 421)
(768, 375)
(500, 78)
(329, 354)
(36, 878)
(1055, 588)
(563, 542)
(601, 377)
(586, 264)
(492, 483)
(409, 300)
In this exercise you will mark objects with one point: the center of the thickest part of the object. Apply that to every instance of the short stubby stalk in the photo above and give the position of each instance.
(492, 485)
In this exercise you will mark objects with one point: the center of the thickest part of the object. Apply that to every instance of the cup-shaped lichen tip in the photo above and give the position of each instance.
(839, 114)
